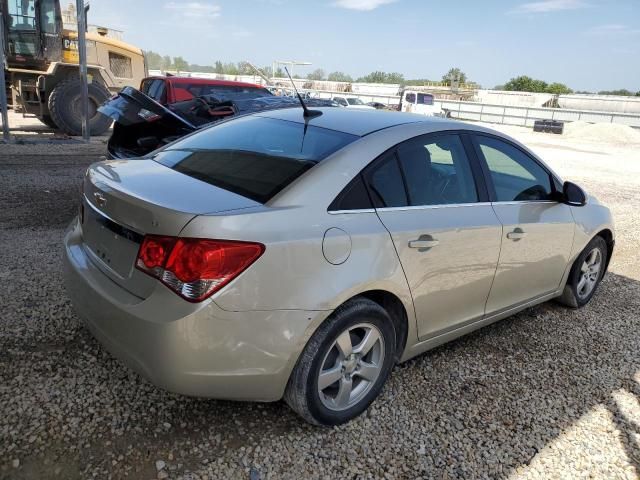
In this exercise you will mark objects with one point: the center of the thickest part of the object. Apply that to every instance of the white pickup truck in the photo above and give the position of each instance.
(418, 102)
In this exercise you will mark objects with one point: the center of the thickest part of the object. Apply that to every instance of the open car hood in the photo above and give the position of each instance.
(142, 125)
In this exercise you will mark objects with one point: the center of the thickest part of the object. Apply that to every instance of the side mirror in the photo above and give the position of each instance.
(573, 195)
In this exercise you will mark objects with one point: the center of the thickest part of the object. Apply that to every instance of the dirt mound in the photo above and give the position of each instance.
(602, 132)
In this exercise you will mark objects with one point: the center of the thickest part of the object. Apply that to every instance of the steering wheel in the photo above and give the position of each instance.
(202, 103)
(441, 183)
(535, 192)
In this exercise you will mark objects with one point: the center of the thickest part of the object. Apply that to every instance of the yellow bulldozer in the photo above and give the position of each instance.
(42, 71)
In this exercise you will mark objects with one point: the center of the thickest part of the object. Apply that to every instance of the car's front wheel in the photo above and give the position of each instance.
(344, 365)
(586, 274)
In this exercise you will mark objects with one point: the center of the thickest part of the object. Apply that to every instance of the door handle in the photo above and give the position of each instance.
(516, 234)
(425, 241)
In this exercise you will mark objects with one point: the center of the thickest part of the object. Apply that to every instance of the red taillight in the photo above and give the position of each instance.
(155, 251)
(195, 268)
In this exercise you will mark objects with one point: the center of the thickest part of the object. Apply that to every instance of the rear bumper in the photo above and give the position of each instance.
(191, 349)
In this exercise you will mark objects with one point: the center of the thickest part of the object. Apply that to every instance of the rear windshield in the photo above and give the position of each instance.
(252, 156)
(219, 92)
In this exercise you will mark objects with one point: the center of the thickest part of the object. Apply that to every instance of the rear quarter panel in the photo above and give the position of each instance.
(294, 273)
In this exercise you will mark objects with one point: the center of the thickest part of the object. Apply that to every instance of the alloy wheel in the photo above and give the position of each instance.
(589, 273)
(351, 366)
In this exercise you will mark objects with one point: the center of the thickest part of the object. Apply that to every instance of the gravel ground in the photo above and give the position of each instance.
(548, 393)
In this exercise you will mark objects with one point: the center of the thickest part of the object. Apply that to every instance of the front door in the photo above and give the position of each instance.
(448, 241)
(538, 231)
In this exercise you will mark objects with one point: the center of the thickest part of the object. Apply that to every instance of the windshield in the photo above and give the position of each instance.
(22, 27)
(252, 156)
(22, 15)
(355, 101)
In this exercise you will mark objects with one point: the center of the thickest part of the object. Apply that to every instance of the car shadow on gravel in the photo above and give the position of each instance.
(509, 390)
(629, 428)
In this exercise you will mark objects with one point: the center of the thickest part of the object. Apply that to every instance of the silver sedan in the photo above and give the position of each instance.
(276, 255)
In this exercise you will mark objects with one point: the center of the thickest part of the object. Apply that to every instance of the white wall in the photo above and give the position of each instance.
(607, 103)
(516, 99)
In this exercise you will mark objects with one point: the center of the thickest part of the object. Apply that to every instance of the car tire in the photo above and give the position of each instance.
(586, 274)
(65, 107)
(349, 383)
(48, 121)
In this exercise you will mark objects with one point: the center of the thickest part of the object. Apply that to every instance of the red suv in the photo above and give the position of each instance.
(168, 90)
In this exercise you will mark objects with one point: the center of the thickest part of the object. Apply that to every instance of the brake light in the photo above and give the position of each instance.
(195, 268)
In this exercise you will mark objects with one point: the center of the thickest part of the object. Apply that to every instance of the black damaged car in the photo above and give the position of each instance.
(142, 125)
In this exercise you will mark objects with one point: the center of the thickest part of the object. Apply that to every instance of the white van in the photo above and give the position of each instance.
(418, 102)
(352, 102)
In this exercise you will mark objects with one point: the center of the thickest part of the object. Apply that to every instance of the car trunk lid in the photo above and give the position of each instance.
(141, 124)
(125, 200)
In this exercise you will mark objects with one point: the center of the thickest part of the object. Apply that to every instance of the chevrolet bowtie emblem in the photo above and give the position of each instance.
(101, 201)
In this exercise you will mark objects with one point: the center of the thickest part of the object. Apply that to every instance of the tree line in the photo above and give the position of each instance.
(156, 61)
(524, 83)
(454, 76)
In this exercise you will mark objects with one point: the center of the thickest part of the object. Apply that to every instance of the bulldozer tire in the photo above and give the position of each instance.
(66, 109)
(48, 121)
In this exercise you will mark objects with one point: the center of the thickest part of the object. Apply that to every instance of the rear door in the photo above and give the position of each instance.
(538, 230)
(432, 199)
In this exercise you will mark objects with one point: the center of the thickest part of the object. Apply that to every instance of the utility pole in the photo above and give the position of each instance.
(4, 105)
(82, 53)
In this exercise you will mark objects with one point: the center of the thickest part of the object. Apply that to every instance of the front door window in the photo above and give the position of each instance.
(516, 176)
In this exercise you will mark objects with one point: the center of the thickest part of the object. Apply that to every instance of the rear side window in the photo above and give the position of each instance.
(252, 156)
(437, 171)
(386, 184)
(410, 97)
(353, 197)
(425, 99)
(189, 90)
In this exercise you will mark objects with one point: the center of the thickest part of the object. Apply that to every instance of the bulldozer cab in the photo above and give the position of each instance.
(33, 30)
(42, 74)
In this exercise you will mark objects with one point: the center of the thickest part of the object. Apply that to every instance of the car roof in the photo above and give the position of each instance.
(205, 81)
(354, 121)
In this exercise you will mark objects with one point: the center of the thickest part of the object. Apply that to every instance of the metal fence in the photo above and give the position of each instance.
(526, 116)
(506, 114)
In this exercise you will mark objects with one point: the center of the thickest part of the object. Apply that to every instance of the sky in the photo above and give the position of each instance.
(587, 44)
